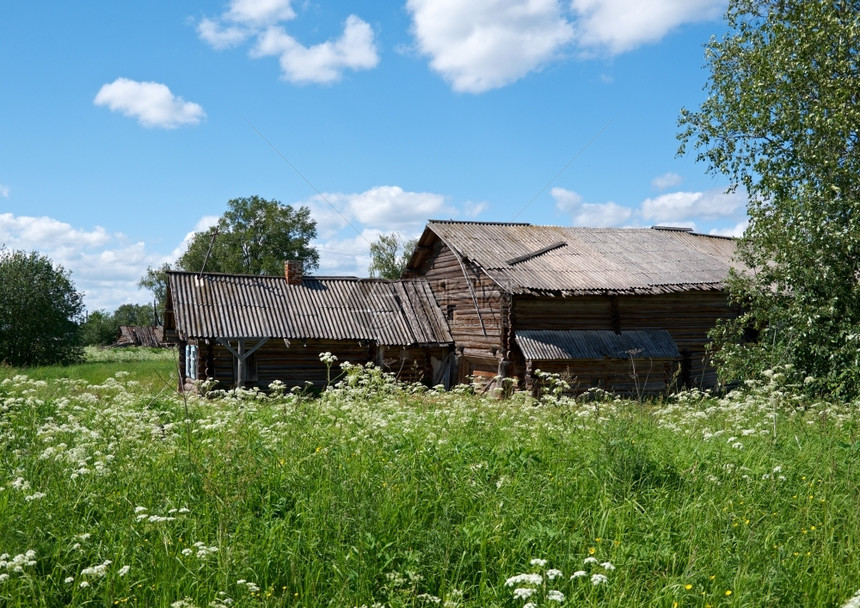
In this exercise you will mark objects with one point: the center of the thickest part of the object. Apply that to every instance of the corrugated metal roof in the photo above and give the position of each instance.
(561, 345)
(395, 313)
(523, 258)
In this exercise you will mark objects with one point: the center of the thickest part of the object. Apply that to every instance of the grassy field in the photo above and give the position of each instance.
(117, 491)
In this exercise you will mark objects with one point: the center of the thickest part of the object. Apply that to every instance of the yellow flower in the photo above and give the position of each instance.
(728, 592)
(591, 550)
(688, 586)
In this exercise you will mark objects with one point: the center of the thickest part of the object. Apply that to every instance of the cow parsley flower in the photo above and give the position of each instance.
(523, 593)
(555, 596)
(529, 579)
(538, 562)
(598, 579)
(553, 574)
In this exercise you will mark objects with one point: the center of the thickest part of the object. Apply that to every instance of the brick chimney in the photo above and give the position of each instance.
(293, 272)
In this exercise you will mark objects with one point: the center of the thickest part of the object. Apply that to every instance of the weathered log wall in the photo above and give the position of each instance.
(299, 363)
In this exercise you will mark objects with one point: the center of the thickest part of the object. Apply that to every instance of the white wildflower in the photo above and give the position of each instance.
(523, 593)
(4, 577)
(608, 566)
(598, 579)
(578, 574)
(69, 579)
(124, 570)
(84, 584)
(530, 579)
(589, 560)
(538, 562)
(555, 596)
(854, 602)
(553, 574)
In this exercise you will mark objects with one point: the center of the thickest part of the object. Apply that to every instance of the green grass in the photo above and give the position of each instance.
(154, 367)
(381, 494)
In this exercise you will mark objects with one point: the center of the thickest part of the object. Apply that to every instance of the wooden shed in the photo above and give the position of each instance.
(243, 330)
(625, 310)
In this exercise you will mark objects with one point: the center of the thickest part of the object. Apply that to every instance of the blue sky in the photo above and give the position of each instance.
(125, 127)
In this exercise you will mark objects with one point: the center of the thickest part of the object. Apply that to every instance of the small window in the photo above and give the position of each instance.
(191, 361)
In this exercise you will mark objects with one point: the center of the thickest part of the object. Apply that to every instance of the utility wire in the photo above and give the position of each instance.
(563, 169)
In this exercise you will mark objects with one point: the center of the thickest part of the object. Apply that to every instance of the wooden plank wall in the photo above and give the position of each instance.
(301, 363)
(687, 316)
(652, 377)
(479, 332)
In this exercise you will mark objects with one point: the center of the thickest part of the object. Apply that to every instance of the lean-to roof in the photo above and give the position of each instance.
(527, 259)
(395, 313)
(570, 344)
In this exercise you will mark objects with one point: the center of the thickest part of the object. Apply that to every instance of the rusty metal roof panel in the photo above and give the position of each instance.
(541, 259)
(563, 345)
(389, 312)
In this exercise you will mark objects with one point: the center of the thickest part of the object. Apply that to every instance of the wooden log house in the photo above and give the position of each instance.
(243, 330)
(626, 310)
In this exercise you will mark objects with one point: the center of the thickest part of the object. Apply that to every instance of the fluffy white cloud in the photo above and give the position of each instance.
(594, 215)
(262, 20)
(735, 231)
(617, 26)
(384, 208)
(667, 180)
(681, 206)
(324, 62)
(105, 267)
(485, 44)
(151, 103)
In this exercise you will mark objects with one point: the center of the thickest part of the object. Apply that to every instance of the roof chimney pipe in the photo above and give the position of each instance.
(293, 272)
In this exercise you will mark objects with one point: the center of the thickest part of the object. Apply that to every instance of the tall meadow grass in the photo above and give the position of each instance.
(118, 493)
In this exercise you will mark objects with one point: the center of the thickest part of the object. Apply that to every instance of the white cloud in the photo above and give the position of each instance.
(485, 44)
(321, 63)
(105, 267)
(474, 209)
(594, 215)
(203, 224)
(680, 206)
(616, 26)
(151, 103)
(385, 208)
(263, 20)
(260, 11)
(736, 230)
(4, 191)
(667, 180)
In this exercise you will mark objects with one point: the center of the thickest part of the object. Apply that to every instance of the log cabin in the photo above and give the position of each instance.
(624, 310)
(249, 330)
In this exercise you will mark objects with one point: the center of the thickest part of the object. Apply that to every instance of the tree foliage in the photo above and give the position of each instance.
(39, 310)
(101, 328)
(254, 236)
(389, 255)
(782, 120)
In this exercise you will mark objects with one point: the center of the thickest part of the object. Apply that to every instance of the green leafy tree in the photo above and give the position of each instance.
(254, 236)
(134, 314)
(155, 280)
(39, 311)
(99, 329)
(782, 121)
(389, 255)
